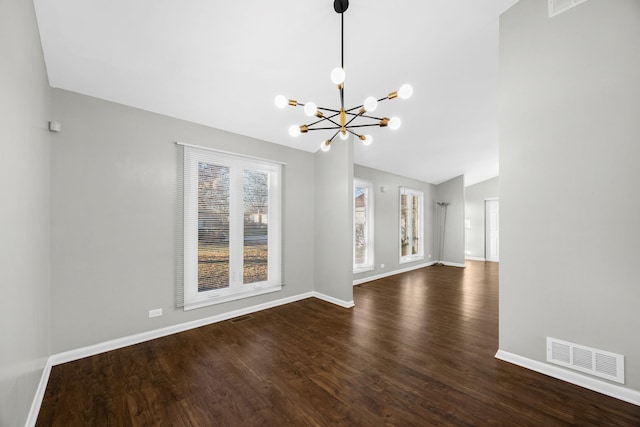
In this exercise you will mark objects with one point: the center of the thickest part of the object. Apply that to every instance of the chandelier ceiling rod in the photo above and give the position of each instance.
(342, 40)
(342, 51)
(342, 126)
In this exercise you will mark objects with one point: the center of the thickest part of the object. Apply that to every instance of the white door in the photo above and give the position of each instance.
(491, 230)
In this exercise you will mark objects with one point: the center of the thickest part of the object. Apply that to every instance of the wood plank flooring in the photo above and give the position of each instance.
(417, 350)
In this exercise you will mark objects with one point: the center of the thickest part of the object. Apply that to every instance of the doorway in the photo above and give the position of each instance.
(492, 230)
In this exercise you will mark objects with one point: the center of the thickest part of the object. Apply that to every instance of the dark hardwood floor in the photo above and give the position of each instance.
(417, 349)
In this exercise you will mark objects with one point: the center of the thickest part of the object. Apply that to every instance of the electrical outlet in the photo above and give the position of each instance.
(155, 313)
(429, 256)
(381, 265)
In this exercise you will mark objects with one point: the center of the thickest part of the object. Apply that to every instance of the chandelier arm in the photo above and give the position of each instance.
(362, 115)
(363, 126)
(353, 133)
(351, 113)
(337, 125)
(336, 113)
(370, 117)
(352, 119)
(354, 108)
(329, 109)
(325, 119)
(325, 128)
(360, 106)
(334, 123)
(300, 104)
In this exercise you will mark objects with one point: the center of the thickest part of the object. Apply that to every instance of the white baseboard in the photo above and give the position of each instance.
(475, 258)
(32, 417)
(606, 388)
(336, 301)
(391, 273)
(453, 264)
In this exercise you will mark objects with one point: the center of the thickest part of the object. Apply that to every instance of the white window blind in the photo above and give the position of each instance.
(231, 227)
(411, 225)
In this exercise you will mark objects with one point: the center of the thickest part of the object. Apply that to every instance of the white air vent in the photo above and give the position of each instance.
(559, 6)
(586, 359)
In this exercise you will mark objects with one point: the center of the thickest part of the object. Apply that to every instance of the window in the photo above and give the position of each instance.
(362, 225)
(411, 225)
(231, 227)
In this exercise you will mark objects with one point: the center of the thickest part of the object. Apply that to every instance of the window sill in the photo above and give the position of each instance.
(406, 260)
(212, 300)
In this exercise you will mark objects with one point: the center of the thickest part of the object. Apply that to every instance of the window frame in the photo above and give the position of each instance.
(420, 255)
(193, 298)
(370, 228)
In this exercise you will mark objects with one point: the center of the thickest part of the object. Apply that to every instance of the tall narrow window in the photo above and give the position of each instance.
(411, 225)
(362, 225)
(231, 227)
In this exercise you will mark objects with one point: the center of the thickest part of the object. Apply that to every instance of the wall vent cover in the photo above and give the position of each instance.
(586, 359)
(558, 6)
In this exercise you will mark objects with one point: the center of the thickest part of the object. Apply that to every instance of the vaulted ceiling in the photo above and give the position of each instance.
(222, 63)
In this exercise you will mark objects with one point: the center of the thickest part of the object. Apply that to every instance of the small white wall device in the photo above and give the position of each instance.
(55, 126)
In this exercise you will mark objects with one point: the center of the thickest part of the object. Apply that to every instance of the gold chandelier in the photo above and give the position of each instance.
(344, 121)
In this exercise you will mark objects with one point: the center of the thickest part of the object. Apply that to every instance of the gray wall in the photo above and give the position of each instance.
(334, 221)
(24, 210)
(475, 196)
(114, 219)
(451, 192)
(569, 175)
(387, 219)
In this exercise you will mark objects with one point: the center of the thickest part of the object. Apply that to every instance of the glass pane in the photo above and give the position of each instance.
(256, 220)
(415, 225)
(213, 227)
(404, 218)
(361, 239)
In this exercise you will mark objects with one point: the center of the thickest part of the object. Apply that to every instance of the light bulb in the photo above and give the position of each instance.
(337, 76)
(394, 123)
(344, 135)
(370, 104)
(326, 146)
(294, 130)
(368, 139)
(405, 91)
(310, 108)
(281, 101)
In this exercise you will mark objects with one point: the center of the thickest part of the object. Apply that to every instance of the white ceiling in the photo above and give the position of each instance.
(221, 63)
